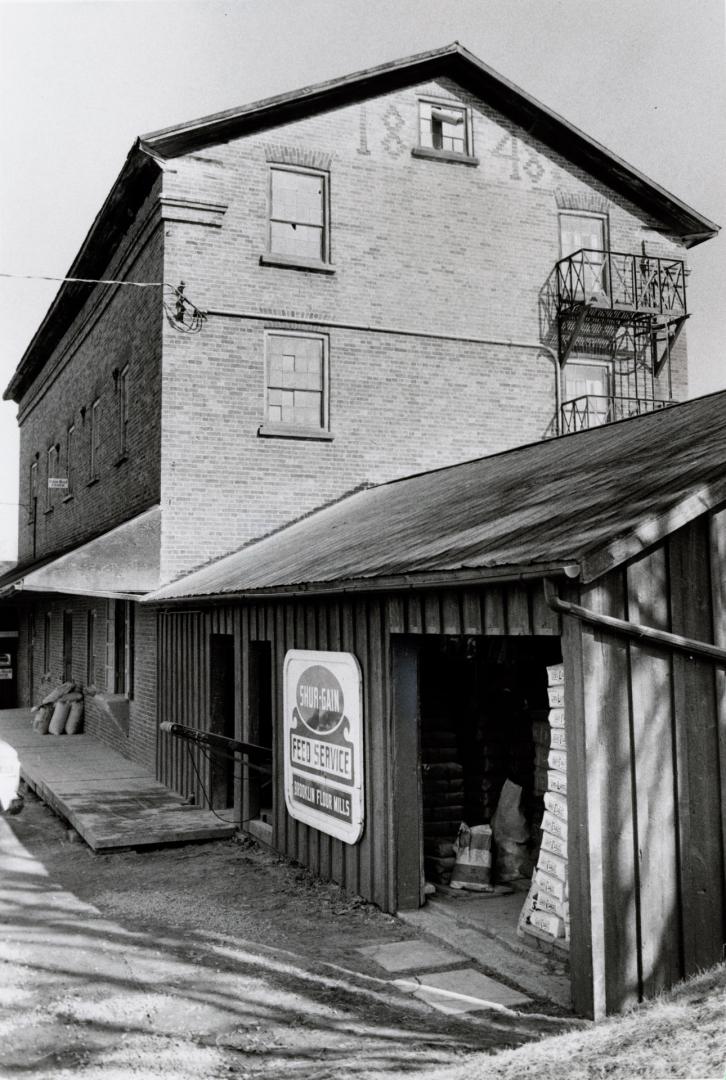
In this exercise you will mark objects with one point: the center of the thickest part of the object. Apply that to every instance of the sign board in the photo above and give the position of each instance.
(323, 727)
(6, 673)
(60, 482)
(5, 660)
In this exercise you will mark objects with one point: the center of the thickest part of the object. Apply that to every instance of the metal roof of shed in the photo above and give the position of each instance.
(122, 563)
(581, 503)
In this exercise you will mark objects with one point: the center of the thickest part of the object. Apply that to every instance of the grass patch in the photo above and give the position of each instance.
(680, 1034)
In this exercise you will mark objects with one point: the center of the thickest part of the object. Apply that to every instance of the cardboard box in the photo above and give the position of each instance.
(557, 782)
(557, 759)
(556, 717)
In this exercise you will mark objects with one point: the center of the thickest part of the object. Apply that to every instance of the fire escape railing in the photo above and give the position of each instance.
(593, 410)
(622, 281)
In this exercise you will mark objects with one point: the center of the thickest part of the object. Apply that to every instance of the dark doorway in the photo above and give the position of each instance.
(67, 646)
(119, 647)
(221, 717)
(259, 690)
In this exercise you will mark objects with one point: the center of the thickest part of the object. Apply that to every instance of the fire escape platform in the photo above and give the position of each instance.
(113, 803)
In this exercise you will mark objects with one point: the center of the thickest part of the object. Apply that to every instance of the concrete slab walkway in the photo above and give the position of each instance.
(112, 802)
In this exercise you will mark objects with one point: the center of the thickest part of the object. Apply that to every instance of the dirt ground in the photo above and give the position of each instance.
(203, 961)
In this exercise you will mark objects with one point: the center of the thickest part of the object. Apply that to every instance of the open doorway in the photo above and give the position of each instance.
(221, 718)
(484, 747)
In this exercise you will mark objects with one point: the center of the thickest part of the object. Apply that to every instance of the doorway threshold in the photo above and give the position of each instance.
(483, 927)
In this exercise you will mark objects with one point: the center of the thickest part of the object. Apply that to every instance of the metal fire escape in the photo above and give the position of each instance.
(629, 310)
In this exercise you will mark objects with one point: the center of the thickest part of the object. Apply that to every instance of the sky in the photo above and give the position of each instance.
(80, 80)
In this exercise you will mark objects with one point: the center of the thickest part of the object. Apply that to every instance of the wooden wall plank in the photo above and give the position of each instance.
(657, 865)
(717, 538)
(584, 766)
(471, 612)
(517, 613)
(494, 619)
(432, 613)
(395, 614)
(545, 621)
(620, 878)
(451, 621)
(697, 747)
(414, 614)
(371, 760)
(407, 774)
(378, 780)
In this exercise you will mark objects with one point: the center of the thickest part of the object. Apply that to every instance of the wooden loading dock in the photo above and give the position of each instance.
(534, 545)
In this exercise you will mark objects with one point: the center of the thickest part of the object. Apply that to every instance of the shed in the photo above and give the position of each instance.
(603, 550)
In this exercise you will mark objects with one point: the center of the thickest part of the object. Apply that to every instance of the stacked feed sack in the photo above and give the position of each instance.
(60, 712)
(546, 912)
(443, 799)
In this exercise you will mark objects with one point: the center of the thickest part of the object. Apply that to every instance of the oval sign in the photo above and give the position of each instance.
(320, 699)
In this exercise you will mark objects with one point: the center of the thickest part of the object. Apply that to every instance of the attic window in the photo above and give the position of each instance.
(444, 131)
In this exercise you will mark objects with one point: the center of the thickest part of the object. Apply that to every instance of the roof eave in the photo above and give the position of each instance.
(453, 60)
(119, 209)
(385, 583)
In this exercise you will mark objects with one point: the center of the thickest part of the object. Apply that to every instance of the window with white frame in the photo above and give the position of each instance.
(583, 237)
(297, 381)
(298, 214)
(445, 127)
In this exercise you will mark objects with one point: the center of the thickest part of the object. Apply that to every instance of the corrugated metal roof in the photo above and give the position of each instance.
(123, 562)
(591, 499)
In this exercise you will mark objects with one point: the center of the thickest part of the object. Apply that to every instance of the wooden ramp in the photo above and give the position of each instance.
(112, 802)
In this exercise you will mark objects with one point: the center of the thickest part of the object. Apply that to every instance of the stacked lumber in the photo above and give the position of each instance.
(546, 911)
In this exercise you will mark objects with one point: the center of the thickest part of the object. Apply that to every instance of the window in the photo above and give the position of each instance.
(444, 130)
(33, 493)
(122, 390)
(298, 215)
(296, 384)
(90, 647)
(94, 440)
(586, 233)
(123, 648)
(52, 457)
(46, 643)
(589, 382)
(70, 457)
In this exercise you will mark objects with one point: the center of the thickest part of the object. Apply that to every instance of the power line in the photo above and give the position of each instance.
(181, 313)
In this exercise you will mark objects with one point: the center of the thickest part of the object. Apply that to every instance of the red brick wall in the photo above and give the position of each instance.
(422, 245)
(117, 327)
(135, 734)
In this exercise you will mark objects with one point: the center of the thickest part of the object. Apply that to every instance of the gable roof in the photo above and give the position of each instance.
(455, 62)
(581, 503)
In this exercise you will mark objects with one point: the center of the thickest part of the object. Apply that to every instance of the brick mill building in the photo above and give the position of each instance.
(388, 274)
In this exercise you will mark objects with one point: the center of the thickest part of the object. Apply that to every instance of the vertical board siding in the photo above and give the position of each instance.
(607, 696)
(698, 774)
(655, 793)
(361, 626)
(718, 581)
(659, 721)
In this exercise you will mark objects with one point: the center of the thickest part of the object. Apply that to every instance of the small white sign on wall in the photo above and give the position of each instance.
(323, 732)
